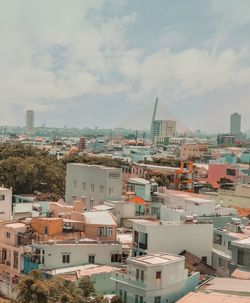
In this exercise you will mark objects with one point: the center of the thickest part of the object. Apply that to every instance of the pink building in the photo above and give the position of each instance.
(216, 171)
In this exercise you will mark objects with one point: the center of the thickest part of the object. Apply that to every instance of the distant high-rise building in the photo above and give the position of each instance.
(163, 130)
(29, 121)
(235, 124)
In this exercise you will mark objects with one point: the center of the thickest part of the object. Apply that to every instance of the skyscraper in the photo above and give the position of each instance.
(235, 124)
(29, 121)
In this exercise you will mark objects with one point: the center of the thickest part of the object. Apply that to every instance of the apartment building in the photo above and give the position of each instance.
(223, 240)
(93, 183)
(14, 239)
(180, 177)
(162, 130)
(173, 237)
(5, 203)
(195, 150)
(154, 278)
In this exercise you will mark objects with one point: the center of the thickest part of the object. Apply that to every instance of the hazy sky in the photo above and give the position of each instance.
(98, 62)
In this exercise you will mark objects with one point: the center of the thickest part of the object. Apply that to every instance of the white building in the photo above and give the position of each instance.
(154, 278)
(95, 183)
(69, 253)
(173, 237)
(5, 204)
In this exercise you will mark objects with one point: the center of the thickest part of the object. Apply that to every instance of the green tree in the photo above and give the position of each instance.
(87, 288)
(116, 299)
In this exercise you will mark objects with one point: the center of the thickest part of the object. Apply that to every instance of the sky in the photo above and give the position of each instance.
(88, 63)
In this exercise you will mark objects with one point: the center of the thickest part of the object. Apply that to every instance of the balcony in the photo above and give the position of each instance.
(128, 280)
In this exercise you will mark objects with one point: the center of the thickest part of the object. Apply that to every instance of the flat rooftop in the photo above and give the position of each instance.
(228, 285)
(94, 166)
(163, 223)
(15, 225)
(200, 297)
(157, 258)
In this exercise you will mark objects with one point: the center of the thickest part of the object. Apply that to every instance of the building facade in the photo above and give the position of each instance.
(94, 183)
(154, 278)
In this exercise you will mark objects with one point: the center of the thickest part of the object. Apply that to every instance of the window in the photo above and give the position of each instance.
(110, 191)
(231, 172)
(2, 197)
(240, 259)
(91, 203)
(91, 259)
(157, 299)
(74, 183)
(46, 230)
(7, 235)
(101, 189)
(158, 275)
(15, 261)
(204, 259)
(114, 175)
(121, 293)
(66, 258)
(83, 186)
(109, 231)
(229, 246)
(74, 197)
(142, 275)
(105, 231)
(141, 299)
(116, 258)
(125, 297)
(218, 239)
(92, 187)
(137, 274)
(136, 299)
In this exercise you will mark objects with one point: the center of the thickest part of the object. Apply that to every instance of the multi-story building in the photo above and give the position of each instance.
(30, 121)
(14, 238)
(222, 246)
(154, 278)
(173, 237)
(59, 254)
(225, 139)
(5, 203)
(180, 177)
(95, 183)
(235, 123)
(233, 172)
(162, 130)
(189, 151)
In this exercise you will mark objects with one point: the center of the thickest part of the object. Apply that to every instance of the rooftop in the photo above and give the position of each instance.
(15, 225)
(138, 181)
(94, 166)
(228, 285)
(157, 258)
(99, 217)
(198, 297)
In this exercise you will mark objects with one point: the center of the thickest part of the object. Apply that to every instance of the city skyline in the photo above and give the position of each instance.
(96, 63)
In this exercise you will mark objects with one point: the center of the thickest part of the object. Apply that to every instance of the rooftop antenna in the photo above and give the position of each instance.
(153, 119)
